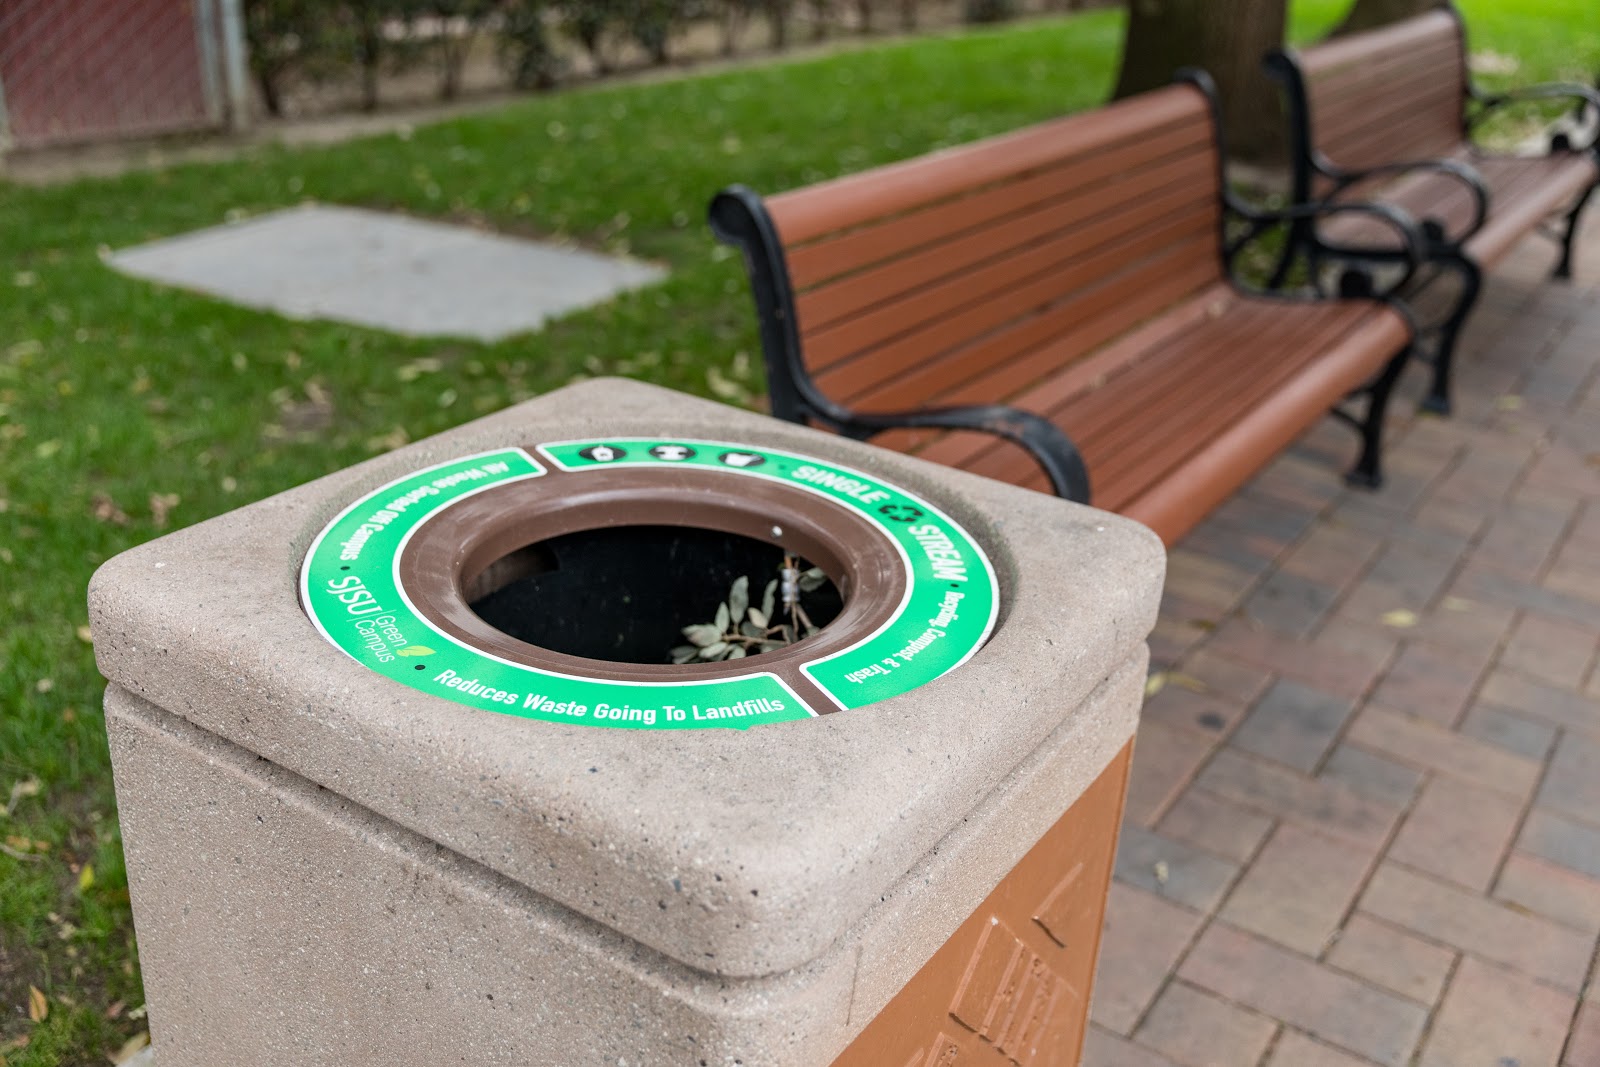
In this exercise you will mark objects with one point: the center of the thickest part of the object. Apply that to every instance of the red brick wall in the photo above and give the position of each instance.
(82, 70)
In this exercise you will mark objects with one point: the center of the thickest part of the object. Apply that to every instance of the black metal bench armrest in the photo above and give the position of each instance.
(1052, 449)
(1488, 103)
(740, 218)
(1449, 168)
(1412, 250)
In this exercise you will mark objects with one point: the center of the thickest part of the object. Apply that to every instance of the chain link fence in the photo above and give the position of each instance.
(85, 70)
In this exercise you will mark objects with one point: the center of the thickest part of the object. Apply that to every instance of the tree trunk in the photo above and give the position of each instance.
(1227, 38)
(369, 53)
(778, 10)
(1370, 14)
(452, 60)
(271, 99)
(819, 12)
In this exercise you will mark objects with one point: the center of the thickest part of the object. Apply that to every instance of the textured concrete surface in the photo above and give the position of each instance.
(762, 892)
(399, 274)
(1372, 779)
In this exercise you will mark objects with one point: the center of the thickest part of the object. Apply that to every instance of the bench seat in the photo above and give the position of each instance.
(1054, 308)
(1525, 189)
(1174, 416)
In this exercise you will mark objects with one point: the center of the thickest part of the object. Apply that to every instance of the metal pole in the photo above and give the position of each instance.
(234, 63)
(5, 124)
(205, 19)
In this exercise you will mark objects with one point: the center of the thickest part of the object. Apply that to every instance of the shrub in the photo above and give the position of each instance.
(984, 11)
(525, 48)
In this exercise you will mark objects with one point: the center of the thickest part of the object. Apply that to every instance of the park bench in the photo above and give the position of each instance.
(1388, 116)
(1056, 306)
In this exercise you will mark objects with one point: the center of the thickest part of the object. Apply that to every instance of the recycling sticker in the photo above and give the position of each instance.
(352, 589)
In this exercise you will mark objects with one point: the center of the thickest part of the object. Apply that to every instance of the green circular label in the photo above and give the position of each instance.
(351, 589)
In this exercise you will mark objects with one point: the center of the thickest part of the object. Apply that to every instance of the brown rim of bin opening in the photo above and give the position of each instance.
(448, 554)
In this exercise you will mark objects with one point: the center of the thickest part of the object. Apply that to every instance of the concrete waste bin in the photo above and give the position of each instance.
(406, 778)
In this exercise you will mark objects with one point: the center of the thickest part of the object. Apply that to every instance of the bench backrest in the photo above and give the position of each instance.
(965, 275)
(1393, 94)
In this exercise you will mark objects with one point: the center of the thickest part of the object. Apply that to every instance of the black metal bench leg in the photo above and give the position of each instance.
(1437, 401)
(1368, 471)
(1564, 267)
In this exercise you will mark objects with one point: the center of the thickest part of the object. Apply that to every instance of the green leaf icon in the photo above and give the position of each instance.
(414, 650)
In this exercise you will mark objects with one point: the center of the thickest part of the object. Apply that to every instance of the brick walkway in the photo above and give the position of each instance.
(1364, 824)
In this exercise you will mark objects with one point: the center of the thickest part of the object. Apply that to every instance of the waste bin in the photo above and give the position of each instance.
(407, 773)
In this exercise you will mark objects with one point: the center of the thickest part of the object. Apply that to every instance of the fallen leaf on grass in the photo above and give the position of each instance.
(130, 1049)
(38, 1006)
(1400, 618)
(1487, 62)
(726, 388)
(410, 372)
(388, 442)
(85, 635)
(86, 878)
(16, 1044)
(161, 505)
(106, 510)
(18, 849)
(28, 787)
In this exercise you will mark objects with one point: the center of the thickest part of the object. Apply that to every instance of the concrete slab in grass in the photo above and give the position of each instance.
(393, 273)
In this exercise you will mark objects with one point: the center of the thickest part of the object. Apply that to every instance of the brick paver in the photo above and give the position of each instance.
(1365, 821)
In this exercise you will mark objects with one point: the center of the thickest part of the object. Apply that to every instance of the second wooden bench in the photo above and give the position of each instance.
(1388, 115)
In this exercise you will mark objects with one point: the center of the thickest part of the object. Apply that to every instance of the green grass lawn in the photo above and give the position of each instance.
(126, 409)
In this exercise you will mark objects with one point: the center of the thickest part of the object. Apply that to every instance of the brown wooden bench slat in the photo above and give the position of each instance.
(836, 254)
(1389, 130)
(856, 199)
(1398, 38)
(1359, 88)
(1067, 278)
(1409, 133)
(1137, 486)
(1076, 376)
(1210, 476)
(1532, 190)
(950, 315)
(1361, 81)
(1159, 188)
(1052, 363)
(1135, 459)
(1363, 106)
(1047, 374)
(1110, 416)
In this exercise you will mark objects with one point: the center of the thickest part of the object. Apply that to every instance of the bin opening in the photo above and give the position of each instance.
(625, 593)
